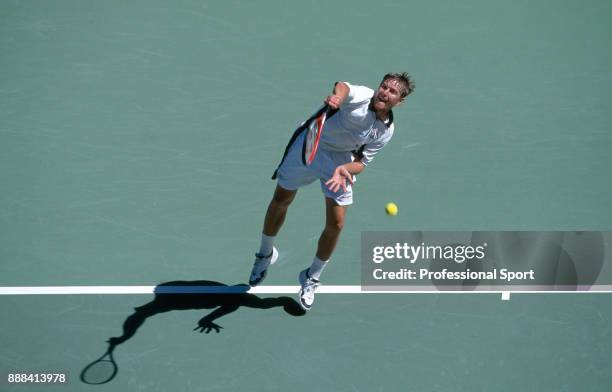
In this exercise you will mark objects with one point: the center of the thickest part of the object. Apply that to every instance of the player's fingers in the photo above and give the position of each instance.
(334, 179)
(332, 101)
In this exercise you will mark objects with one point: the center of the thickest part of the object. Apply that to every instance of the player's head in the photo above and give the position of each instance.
(403, 80)
(392, 91)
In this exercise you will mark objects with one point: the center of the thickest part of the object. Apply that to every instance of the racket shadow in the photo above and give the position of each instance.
(102, 370)
(193, 295)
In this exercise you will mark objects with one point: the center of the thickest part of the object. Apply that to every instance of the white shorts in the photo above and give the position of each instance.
(293, 174)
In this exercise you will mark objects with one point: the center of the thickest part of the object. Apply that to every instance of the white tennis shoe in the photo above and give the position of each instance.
(307, 292)
(260, 267)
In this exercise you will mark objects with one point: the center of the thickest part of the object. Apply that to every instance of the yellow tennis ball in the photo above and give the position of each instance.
(391, 209)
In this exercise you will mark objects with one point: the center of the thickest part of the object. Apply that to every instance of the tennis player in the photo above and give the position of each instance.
(360, 127)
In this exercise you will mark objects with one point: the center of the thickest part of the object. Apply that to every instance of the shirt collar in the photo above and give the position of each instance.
(389, 121)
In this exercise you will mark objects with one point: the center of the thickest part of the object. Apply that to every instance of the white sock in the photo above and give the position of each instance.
(316, 268)
(267, 243)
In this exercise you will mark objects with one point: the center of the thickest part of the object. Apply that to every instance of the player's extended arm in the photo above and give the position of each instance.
(340, 93)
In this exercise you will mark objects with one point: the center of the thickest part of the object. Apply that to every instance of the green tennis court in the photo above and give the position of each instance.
(137, 141)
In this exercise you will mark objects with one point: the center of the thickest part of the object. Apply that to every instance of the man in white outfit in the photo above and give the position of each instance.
(360, 126)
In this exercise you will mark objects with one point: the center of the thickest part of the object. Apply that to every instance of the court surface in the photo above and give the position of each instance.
(137, 141)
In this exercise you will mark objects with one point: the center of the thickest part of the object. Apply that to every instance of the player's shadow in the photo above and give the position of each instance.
(201, 294)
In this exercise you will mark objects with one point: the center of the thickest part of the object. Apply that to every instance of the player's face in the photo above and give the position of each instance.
(388, 95)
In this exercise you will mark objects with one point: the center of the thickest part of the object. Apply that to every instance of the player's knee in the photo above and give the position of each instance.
(282, 198)
(281, 202)
(335, 225)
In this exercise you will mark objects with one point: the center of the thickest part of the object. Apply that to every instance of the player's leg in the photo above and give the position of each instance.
(292, 174)
(334, 222)
(275, 217)
(309, 278)
(277, 210)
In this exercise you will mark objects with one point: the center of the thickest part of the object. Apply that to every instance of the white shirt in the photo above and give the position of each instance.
(355, 125)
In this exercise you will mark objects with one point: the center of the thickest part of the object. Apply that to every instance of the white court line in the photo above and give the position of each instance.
(323, 289)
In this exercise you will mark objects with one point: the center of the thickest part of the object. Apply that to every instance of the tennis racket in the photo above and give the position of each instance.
(102, 370)
(313, 135)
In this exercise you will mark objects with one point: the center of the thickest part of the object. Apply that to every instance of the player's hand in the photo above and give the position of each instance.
(333, 101)
(339, 179)
(206, 326)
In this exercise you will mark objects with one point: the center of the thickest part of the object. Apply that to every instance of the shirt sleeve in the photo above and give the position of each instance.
(358, 94)
(371, 149)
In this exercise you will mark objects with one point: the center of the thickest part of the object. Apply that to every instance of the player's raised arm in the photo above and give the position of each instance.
(340, 93)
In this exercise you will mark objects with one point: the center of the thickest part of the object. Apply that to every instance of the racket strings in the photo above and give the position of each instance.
(100, 371)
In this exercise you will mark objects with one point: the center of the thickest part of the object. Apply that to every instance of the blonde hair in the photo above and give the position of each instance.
(406, 83)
